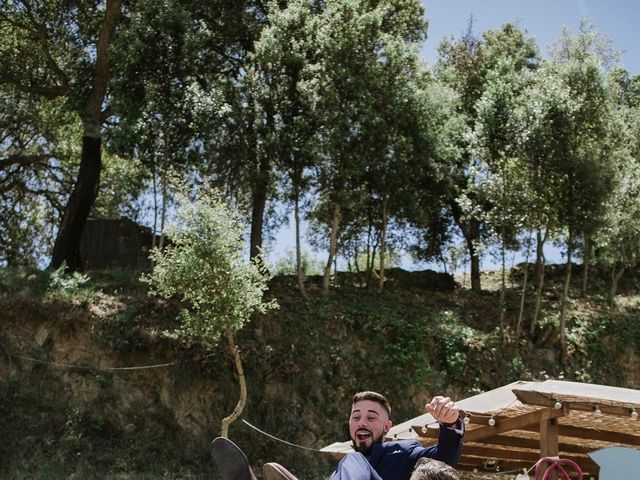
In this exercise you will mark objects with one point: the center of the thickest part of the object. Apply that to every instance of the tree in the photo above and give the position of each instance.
(510, 53)
(483, 71)
(282, 55)
(203, 267)
(617, 242)
(176, 57)
(62, 51)
(461, 66)
(539, 112)
(357, 46)
(36, 158)
(75, 53)
(582, 142)
(438, 150)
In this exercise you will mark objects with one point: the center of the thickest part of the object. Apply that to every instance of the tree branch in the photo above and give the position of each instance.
(22, 160)
(53, 65)
(93, 109)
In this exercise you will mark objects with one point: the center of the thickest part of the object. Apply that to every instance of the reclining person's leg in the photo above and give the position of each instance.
(354, 466)
(275, 471)
(229, 461)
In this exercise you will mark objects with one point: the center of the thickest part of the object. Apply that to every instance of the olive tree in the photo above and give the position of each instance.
(203, 267)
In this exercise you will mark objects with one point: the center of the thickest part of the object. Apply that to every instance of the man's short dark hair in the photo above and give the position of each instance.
(374, 397)
(430, 469)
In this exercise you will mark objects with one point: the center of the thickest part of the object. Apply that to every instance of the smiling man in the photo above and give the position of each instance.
(377, 459)
(369, 421)
(374, 458)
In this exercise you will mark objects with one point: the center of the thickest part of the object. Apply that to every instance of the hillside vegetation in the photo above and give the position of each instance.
(66, 415)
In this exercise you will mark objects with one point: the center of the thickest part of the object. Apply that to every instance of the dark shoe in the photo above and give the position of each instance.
(229, 461)
(275, 471)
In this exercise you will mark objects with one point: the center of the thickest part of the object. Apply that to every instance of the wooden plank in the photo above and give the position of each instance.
(469, 462)
(531, 456)
(542, 399)
(531, 419)
(503, 424)
(613, 395)
(548, 436)
(533, 443)
(549, 439)
(503, 453)
(617, 438)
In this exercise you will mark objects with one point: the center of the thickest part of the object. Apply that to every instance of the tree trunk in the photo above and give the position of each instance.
(383, 235)
(616, 275)
(471, 232)
(371, 250)
(154, 184)
(540, 264)
(585, 265)
(503, 283)
(299, 270)
(237, 411)
(67, 244)
(163, 209)
(524, 287)
(369, 246)
(332, 249)
(475, 266)
(522, 298)
(564, 301)
(258, 203)
(371, 271)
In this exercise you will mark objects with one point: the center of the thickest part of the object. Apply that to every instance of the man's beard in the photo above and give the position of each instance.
(367, 450)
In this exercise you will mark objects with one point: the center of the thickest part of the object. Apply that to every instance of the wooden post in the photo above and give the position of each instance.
(549, 438)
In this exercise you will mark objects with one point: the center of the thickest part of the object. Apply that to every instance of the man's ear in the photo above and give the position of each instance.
(388, 426)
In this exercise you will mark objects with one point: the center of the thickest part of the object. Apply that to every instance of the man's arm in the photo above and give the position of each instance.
(449, 447)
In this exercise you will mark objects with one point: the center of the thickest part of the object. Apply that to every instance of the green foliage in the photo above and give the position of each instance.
(122, 182)
(203, 267)
(125, 333)
(286, 264)
(309, 354)
(460, 345)
(45, 437)
(404, 359)
(70, 285)
(323, 105)
(35, 164)
(600, 343)
(24, 281)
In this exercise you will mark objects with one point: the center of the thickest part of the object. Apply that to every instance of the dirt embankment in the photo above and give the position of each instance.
(66, 381)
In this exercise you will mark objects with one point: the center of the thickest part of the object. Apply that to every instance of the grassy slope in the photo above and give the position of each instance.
(303, 363)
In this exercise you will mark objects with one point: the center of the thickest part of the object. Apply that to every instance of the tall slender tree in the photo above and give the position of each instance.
(357, 48)
(510, 53)
(582, 145)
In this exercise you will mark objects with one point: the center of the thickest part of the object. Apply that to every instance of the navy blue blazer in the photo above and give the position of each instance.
(396, 460)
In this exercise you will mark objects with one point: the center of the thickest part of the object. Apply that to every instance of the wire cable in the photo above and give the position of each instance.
(281, 440)
(101, 369)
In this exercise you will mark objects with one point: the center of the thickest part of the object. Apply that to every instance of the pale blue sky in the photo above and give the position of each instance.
(543, 20)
